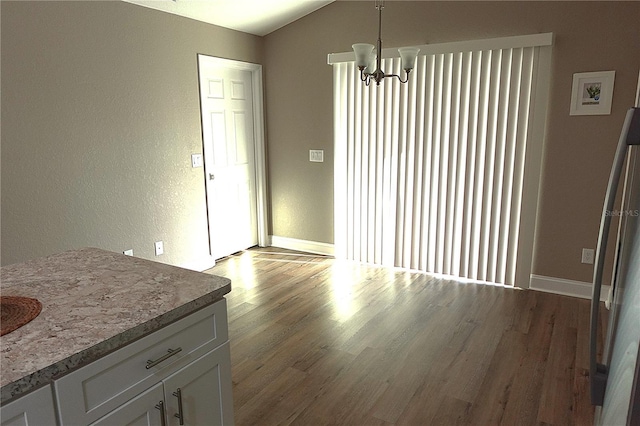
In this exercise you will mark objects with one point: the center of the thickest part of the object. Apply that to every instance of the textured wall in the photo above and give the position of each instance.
(100, 115)
(590, 36)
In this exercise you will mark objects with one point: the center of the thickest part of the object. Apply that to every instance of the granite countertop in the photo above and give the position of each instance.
(93, 302)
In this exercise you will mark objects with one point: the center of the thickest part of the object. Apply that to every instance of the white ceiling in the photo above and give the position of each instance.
(259, 17)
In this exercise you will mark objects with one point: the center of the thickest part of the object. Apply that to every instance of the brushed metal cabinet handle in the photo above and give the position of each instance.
(179, 414)
(160, 406)
(169, 354)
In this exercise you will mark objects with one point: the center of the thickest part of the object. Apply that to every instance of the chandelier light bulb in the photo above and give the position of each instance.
(363, 53)
(408, 55)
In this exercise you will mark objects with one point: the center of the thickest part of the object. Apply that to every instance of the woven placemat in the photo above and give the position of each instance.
(17, 311)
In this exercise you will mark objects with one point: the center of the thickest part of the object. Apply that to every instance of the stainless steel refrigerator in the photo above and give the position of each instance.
(615, 382)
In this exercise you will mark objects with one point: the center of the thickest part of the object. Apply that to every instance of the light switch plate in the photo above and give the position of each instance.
(196, 160)
(588, 256)
(316, 155)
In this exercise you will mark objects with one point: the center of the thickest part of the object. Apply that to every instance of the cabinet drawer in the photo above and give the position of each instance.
(92, 391)
(35, 408)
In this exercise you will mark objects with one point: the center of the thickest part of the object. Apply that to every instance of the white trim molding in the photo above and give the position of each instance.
(200, 265)
(532, 40)
(565, 287)
(302, 245)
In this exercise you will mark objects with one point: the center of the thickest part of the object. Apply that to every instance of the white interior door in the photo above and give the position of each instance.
(229, 151)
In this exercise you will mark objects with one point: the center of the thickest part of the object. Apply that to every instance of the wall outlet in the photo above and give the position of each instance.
(316, 155)
(159, 248)
(128, 252)
(588, 256)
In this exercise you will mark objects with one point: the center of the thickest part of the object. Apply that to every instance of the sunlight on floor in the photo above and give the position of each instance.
(242, 267)
(342, 279)
(346, 277)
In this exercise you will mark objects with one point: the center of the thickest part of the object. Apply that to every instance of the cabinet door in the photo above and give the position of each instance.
(33, 409)
(93, 391)
(205, 391)
(143, 410)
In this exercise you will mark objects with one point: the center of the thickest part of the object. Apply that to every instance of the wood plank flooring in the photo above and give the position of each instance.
(315, 341)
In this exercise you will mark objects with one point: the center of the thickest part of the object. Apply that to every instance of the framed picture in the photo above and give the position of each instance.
(592, 93)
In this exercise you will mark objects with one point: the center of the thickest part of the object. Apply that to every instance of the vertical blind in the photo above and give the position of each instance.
(429, 174)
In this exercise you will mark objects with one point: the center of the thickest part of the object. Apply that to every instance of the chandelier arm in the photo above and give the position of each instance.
(365, 77)
(406, 79)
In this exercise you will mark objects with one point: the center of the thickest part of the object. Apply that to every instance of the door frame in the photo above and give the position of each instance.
(259, 139)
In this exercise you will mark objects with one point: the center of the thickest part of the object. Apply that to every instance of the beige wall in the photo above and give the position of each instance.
(590, 36)
(100, 115)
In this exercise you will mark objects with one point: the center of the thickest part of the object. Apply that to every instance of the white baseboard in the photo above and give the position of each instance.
(314, 247)
(302, 245)
(200, 265)
(565, 287)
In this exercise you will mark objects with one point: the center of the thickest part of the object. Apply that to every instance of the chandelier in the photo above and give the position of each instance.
(369, 57)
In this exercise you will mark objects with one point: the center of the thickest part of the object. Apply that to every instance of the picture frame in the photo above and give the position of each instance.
(592, 93)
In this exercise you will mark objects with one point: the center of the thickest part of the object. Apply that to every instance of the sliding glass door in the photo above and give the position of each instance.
(430, 175)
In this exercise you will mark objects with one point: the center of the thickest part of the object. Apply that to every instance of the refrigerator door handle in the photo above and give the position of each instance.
(630, 135)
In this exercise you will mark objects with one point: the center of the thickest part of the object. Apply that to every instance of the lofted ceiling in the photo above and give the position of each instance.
(259, 17)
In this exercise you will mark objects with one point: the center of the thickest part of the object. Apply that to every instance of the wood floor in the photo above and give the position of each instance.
(315, 341)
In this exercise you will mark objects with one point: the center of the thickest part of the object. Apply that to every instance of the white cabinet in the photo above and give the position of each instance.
(136, 384)
(34, 409)
(145, 409)
(199, 393)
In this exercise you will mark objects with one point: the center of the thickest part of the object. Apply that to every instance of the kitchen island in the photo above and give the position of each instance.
(105, 309)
